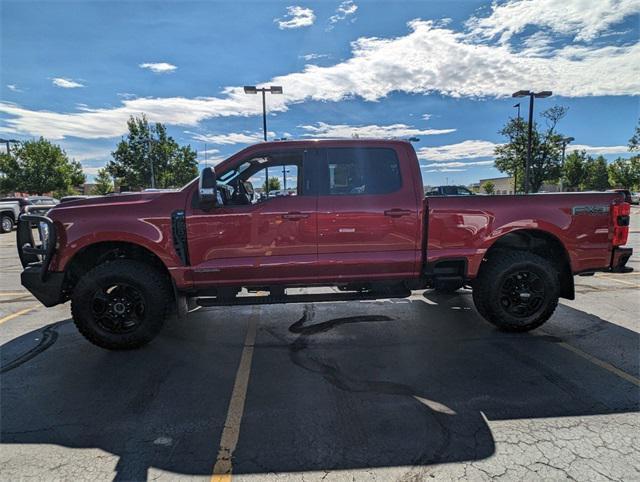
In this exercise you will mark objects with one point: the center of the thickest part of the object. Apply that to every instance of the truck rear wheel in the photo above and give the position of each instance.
(517, 291)
(121, 305)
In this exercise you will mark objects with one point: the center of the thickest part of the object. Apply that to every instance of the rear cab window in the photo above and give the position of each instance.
(360, 171)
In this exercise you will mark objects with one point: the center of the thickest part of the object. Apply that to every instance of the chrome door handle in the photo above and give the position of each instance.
(295, 216)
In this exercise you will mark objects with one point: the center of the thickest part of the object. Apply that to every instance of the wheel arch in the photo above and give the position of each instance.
(542, 243)
(10, 213)
(98, 253)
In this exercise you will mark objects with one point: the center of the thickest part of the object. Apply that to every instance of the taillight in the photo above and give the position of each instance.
(620, 218)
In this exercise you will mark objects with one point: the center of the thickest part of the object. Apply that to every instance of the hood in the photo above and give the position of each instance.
(114, 199)
(141, 203)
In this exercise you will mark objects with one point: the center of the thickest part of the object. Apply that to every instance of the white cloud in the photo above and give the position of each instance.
(211, 161)
(474, 149)
(91, 171)
(585, 20)
(66, 83)
(13, 88)
(345, 9)
(469, 149)
(324, 130)
(445, 170)
(296, 17)
(598, 149)
(430, 58)
(233, 137)
(158, 67)
(426, 116)
(309, 57)
(456, 164)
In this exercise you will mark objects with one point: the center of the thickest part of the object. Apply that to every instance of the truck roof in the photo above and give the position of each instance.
(338, 140)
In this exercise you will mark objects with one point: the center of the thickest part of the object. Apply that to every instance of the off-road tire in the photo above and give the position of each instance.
(6, 223)
(488, 294)
(151, 284)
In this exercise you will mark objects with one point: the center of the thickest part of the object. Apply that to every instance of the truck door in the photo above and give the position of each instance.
(368, 225)
(268, 236)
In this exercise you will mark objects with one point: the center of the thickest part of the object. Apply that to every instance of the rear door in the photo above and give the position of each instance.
(368, 225)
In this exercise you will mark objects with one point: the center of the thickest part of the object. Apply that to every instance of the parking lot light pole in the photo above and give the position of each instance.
(8, 143)
(531, 95)
(565, 141)
(153, 177)
(274, 89)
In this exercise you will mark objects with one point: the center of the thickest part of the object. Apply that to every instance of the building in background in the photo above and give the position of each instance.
(501, 185)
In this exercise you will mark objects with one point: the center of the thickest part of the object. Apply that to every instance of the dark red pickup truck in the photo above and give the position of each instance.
(352, 215)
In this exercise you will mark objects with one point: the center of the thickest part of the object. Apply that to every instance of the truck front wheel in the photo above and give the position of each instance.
(517, 291)
(121, 305)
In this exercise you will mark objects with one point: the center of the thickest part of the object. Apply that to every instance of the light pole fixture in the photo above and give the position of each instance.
(564, 141)
(531, 95)
(518, 106)
(8, 142)
(274, 89)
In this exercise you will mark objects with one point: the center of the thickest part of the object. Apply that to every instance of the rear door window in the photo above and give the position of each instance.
(354, 171)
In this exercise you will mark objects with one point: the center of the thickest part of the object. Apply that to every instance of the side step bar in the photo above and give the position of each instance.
(302, 298)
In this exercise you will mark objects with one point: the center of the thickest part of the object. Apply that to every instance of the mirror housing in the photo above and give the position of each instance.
(207, 189)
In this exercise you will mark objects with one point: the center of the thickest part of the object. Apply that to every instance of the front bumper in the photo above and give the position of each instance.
(619, 260)
(45, 285)
(49, 291)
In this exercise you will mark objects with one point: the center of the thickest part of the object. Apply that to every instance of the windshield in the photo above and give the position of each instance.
(43, 200)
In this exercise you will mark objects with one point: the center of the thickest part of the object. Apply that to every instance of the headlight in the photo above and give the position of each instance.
(43, 229)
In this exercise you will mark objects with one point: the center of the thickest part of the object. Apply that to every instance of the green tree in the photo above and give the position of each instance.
(625, 173)
(634, 142)
(489, 187)
(573, 174)
(596, 174)
(546, 150)
(144, 145)
(104, 183)
(274, 184)
(39, 167)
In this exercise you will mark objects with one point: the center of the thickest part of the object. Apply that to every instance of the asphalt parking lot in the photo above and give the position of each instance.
(389, 390)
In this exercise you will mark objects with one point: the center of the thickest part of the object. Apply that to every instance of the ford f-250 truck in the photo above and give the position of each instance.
(351, 215)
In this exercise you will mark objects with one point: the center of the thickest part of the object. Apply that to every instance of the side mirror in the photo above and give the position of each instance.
(207, 192)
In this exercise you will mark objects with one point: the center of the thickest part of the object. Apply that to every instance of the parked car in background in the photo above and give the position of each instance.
(450, 191)
(9, 213)
(22, 202)
(67, 199)
(628, 197)
(635, 197)
(33, 204)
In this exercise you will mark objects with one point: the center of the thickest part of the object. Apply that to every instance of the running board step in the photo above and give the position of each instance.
(303, 298)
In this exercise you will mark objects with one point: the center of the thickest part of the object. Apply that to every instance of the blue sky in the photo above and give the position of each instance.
(440, 71)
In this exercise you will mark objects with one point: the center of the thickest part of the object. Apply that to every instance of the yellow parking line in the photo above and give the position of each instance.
(17, 313)
(602, 364)
(231, 432)
(14, 293)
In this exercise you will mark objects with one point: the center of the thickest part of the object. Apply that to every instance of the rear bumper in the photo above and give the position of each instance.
(619, 260)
